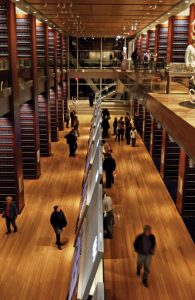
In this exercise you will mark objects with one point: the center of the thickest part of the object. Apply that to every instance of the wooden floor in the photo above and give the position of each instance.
(31, 267)
(139, 198)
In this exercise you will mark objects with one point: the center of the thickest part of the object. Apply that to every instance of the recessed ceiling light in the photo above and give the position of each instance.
(168, 13)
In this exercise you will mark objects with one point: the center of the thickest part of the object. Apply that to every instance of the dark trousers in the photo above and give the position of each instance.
(58, 239)
(105, 133)
(108, 223)
(133, 142)
(72, 149)
(67, 123)
(109, 179)
(128, 139)
(120, 134)
(12, 222)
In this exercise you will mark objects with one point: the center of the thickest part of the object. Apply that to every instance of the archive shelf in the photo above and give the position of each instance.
(10, 185)
(179, 39)
(143, 46)
(65, 92)
(23, 29)
(51, 41)
(54, 116)
(44, 126)
(3, 33)
(162, 41)
(30, 154)
(60, 107)
(41, 44)
(151, 41)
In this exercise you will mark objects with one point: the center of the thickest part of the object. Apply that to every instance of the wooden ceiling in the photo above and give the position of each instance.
(102, 17)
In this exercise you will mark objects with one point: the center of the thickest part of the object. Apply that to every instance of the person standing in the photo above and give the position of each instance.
(127, 133)
(72, 116)
(108, 216)
(109, 165)
(134, 57)
(71, 138)
(76, 125)
(133, 136)
(144, 246)
(58, 222)
(10, 213)
(115, 126)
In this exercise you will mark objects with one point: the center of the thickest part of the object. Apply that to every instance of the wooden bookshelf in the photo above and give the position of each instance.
(29, 118)
(59, 80)
(161, 42)
(65, 96)
(43, 98)
(151, 41)
(11, 175)
(179, 38)
(141, 117)
(143, 46)
(4, 51)
(52, 42)
(156, 142)
(170, 163)
(146, 128)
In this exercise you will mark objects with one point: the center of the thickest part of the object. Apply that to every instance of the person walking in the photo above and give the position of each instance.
(109, 165)
(58, 222)
(108, 216)
(144, 246)
(67, 119)
(127, 119)
(91, 99)
(105, 127)
(76, 125)
(133, 135)
(71, 138)
(134, 57)
(10, 213)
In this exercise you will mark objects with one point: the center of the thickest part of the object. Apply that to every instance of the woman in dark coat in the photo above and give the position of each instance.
(58, 222)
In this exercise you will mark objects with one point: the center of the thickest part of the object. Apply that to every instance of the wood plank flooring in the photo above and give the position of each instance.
(139, 198)
(31, 267)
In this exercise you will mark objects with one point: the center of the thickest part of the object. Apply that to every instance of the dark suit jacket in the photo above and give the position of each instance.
(13, 211)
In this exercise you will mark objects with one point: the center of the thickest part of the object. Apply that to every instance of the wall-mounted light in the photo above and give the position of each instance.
(191, 163)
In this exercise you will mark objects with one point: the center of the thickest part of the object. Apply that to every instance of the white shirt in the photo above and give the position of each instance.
(107, 204)
(190, 56)
(133, 134)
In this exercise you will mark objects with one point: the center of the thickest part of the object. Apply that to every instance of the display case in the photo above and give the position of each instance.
(179, 38)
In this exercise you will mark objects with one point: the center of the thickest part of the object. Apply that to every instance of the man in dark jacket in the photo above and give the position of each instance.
(144, 245)
(72, 142)
(58, 222)
(109, 165)
(10, 213)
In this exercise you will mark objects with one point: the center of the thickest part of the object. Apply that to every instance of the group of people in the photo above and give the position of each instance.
(145, 243)
(73, 135)
(125, 127)
(57, 219)
(148, 59)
